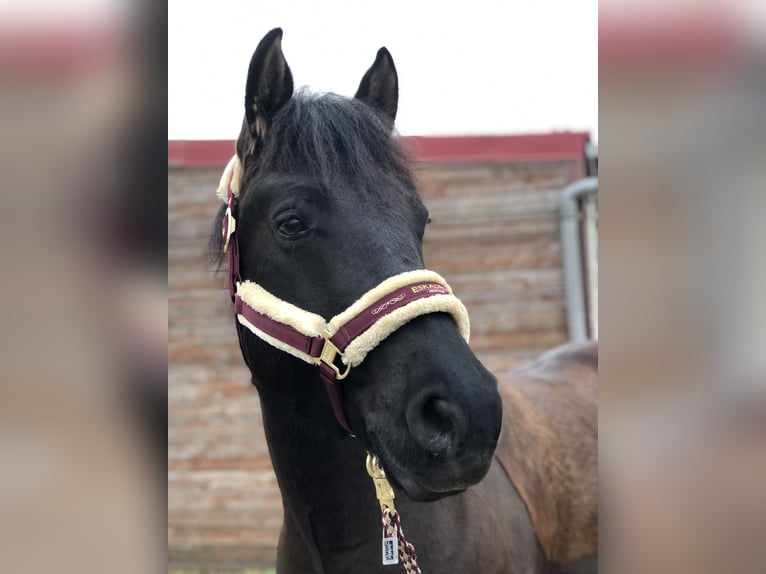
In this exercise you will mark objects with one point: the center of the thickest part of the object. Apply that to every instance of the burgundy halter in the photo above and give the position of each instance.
(325, 347)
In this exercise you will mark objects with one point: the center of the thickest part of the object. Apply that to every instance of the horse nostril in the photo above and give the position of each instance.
(435, 414)
(436, 425)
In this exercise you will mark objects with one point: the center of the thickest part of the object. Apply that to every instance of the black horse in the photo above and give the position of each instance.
(327, 210)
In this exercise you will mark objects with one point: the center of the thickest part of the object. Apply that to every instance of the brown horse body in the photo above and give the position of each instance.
(549, 447)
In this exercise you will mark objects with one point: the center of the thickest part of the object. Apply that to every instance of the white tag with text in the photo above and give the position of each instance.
(390, 549)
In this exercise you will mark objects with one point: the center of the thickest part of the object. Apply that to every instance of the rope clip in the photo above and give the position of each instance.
(383, 490)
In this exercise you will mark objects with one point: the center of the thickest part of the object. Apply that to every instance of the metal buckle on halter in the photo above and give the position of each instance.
(328, 355)
(231, 225)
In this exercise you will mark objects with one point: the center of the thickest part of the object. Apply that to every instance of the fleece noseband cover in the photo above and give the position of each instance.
(398, 293)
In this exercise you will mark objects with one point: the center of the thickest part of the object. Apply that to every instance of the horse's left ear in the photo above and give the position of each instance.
(380, 86)
(269, 83)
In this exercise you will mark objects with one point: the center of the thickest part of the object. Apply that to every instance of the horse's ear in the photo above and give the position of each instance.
(269, 83)
(380, 86)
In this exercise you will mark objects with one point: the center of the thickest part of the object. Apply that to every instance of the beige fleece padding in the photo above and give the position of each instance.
(313, 325)
(233, 171)
(276, 342)
(358, 348)
(381, 290)
(281, 311)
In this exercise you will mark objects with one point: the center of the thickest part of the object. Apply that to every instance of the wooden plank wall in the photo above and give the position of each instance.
(494, 236)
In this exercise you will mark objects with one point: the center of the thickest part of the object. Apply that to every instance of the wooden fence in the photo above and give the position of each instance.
(494, 236)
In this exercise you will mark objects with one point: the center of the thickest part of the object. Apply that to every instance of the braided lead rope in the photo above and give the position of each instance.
(392, 526)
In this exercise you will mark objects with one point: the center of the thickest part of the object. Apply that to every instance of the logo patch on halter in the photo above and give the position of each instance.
(384, 306)
(430, 287)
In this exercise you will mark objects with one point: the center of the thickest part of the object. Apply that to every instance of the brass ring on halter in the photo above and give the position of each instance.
(328, 355)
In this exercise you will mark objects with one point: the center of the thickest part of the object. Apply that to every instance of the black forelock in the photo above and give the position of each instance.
(334, 140)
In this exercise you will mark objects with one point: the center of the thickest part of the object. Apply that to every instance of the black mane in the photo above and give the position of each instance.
(333, 139)
(339, 143)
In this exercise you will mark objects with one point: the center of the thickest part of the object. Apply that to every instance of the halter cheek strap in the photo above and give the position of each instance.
(343, 342)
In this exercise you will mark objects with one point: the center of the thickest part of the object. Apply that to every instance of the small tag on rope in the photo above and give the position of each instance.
(395, 545)
(390, 549)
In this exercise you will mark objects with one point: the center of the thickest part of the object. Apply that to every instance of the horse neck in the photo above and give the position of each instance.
(326, 492)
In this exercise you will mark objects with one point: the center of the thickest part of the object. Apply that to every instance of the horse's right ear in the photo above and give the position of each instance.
(269, 83)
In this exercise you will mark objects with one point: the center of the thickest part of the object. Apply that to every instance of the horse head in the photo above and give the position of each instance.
(327, 210)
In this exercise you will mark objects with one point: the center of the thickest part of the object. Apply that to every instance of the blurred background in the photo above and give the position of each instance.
(682, 405)
(83, 359)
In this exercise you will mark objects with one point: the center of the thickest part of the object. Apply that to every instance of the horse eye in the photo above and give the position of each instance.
(291, 227)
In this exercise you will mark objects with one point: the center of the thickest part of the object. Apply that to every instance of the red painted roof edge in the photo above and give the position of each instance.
(709, 37)
(54, 51)
(437, 149)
